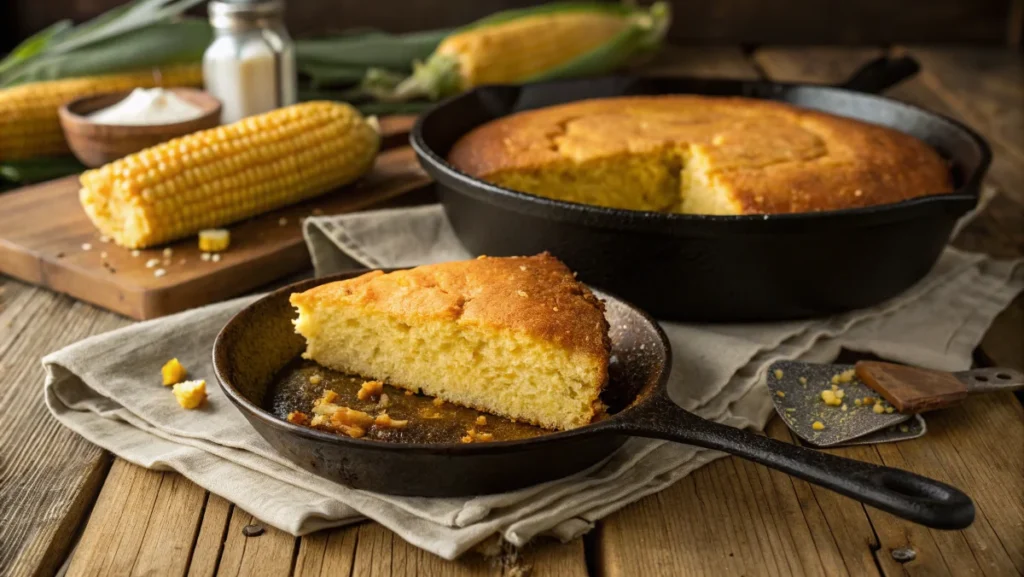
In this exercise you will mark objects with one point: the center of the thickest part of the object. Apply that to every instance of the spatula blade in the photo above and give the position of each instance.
(912, 428)
(796, 391)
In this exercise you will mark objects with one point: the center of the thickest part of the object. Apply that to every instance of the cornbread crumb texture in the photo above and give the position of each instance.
(173, 372)
(190, 394)
(701, 155)
(354, 423)
(464, 332)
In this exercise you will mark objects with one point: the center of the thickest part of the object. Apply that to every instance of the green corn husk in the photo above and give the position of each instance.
(138, 34)
(22, 172)
(365, 49)
(439, 75)
(155, 45)
(344, 60)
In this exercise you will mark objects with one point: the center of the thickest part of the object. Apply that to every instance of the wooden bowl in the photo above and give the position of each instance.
(96, 144)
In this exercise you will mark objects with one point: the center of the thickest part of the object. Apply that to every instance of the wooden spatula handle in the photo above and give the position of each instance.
(910, 389)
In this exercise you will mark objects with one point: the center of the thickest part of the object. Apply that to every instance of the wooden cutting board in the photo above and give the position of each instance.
(43, 230)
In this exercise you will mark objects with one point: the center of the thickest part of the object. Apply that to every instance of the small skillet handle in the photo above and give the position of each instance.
(902, 493)
(882, 73)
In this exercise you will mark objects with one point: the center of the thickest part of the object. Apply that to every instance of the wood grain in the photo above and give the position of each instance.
(814, 65)
(144, 522)
(49, 476)
(268, 555)
(912, 389)
(371, 549)
(961, 431)
(729, 517)
(210, 541)
(43, 230)
(733, 517)
(703, 61)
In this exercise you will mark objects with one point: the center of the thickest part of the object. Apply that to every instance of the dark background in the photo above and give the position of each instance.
(990, 22)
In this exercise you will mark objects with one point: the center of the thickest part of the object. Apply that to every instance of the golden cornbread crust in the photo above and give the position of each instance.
(753, 156)
(536, 295)
(518, 337)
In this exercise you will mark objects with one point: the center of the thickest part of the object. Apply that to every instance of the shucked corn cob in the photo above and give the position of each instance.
(29, 126)
(550, 41)
(217, 176)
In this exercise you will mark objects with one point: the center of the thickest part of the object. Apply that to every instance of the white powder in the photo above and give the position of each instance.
(147, 107)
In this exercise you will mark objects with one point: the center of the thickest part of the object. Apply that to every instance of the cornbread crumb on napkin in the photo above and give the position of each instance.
(108, 389)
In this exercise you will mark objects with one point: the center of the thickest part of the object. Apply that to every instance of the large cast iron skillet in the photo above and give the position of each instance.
(260, 340)
(714, 268)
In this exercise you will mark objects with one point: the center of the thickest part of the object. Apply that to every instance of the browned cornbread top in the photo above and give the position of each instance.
(537, 295)
(769, 157)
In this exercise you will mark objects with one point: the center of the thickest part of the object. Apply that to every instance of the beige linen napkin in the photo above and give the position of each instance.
(107, 389)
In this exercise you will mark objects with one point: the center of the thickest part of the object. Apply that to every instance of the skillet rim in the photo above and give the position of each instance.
(250, 409)
(968, 191)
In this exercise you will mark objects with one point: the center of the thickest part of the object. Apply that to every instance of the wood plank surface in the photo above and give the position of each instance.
(49, 476)
(702, 61)
(371, 549)
(212, 535)
(731, 517)
(44, 233)
(719, 521)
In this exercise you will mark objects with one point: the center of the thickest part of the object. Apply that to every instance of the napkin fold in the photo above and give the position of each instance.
(106, 388)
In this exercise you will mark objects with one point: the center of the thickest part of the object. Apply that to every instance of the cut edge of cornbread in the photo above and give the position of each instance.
(476, 356)
(729, 156)
(673, 179)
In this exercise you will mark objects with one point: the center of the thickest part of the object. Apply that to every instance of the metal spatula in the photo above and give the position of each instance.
(883, 409)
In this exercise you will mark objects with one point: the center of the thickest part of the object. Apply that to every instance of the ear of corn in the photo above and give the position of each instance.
(550, 41)
(222, 175)
(29, 126)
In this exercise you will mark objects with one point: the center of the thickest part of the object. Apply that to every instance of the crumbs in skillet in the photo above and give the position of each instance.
(309, 395)
(329, 416)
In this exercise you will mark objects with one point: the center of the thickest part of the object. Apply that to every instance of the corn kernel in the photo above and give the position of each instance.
(214, 240)
(830, 398)
(778, 374)
(878, 408)
(173, 372)
(190, 394)
(817, 425)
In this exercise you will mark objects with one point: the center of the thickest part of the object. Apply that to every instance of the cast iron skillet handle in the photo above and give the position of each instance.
(882, 73)
(902, 493)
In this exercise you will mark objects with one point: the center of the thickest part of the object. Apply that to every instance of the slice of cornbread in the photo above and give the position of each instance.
(517, 337)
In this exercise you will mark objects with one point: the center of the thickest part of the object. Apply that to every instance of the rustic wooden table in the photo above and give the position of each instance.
(66, 505)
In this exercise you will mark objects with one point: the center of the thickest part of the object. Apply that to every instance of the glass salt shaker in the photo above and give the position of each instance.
(250, 65)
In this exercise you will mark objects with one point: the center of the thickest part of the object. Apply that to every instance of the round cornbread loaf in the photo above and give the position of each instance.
(518, 337)
(700, 155)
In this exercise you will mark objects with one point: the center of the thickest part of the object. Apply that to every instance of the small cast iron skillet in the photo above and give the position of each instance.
(714, 268)
(260, 340)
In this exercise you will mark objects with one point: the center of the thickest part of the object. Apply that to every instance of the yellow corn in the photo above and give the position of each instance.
(222, 175)
(520, 49)
(190, 394)
(173, 372)
(29, 126)
(214, 239)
